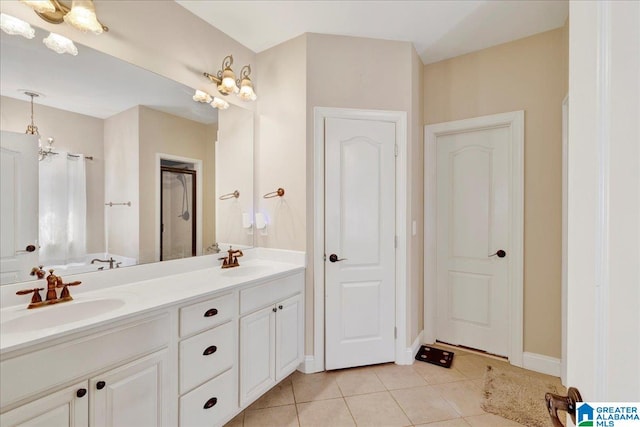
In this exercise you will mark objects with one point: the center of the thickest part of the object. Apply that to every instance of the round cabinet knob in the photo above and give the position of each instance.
(280, 307)
(81, 392)
(100, 385)
(274, 309)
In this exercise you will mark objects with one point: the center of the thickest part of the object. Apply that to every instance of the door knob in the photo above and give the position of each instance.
(500, 253)
(334, 258)
(564, 403)
(29, 248)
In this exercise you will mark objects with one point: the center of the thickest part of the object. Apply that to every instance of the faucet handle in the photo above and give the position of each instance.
(36, 294)
(38, 271)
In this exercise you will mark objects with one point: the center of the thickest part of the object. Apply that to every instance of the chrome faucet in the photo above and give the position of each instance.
(231, 260)
(111, 261)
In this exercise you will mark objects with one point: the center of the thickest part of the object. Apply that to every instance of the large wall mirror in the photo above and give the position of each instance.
(127, 168)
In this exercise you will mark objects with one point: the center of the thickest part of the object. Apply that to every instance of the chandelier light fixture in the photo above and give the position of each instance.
(226, 83)
(81, 15)
(32, 129)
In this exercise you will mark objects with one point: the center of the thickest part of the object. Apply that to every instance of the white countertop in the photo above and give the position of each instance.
(20, 327)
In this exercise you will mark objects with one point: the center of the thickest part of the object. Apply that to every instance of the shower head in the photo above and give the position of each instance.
(181, 178)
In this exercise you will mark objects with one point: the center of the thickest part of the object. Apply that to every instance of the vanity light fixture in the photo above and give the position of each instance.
(15, 26)
(81, 15)
(60, 44)
(226, 82)
(215, 102)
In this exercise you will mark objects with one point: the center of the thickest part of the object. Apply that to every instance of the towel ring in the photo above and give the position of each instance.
(228, 196)
(278, 193)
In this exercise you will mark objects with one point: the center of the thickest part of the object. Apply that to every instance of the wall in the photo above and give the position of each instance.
(167, 134)
(121, 156)
(75, 133)
(527, 74)
(235, 145)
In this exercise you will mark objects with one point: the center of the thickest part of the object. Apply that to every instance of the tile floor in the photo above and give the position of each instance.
(382, 395)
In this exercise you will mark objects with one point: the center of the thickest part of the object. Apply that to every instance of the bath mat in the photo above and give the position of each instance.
(436, 356)
(518, 394)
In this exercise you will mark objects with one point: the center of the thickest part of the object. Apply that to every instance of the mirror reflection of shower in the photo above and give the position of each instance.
(177, 210)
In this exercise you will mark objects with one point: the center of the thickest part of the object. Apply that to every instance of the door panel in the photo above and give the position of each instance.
(289, 336)
(472, 224)
(359, 231)
(19, 207)
(257, 354)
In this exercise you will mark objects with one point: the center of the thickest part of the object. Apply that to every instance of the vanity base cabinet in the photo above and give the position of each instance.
(66, 407)
(131, 395)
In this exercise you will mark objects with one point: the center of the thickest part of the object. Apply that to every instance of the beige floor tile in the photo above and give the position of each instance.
(436, 374)
(329, 413)
(463, 396)
(399, 376)
(458, 422)
(376, 409)
(424, 405)
(490, 420)
(359, 381)
(278, 416)
(237, 421)
(320, 388)
(471, 366)
(280, 395)
(299, 377)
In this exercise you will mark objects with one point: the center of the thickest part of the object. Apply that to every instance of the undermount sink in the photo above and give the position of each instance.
(60, 314)
(246, 270)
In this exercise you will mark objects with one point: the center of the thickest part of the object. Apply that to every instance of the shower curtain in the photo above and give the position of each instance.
(63, 209)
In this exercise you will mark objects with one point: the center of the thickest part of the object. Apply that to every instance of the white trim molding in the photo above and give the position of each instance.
(515, 122)
(409, 355)
(400, 120)
(541, 363)
(308, 365)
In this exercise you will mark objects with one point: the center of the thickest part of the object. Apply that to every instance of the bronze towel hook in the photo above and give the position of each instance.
(278, 193)
(227, 196)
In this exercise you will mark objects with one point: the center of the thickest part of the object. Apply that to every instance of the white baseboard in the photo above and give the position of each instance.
(308, 366)
(541, 363)
(409, 353)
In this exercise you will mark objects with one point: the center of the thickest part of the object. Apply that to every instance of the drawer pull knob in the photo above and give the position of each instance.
(100, 385)
(211, 312)
(274, 309)
(81, 392)
(280, 307)
(211, 403)
(210, 350)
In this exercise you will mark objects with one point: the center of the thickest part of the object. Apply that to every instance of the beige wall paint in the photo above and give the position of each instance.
(527, 74)
(121, 183)
(280, 145)
(164, 133)
(75, 133)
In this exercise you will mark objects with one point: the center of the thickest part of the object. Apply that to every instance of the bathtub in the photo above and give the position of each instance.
(85, 266)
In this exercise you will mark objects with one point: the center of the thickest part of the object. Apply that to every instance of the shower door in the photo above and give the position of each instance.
(177, 213)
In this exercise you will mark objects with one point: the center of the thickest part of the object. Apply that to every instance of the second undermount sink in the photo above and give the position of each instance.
(247, 270)
(59, 314)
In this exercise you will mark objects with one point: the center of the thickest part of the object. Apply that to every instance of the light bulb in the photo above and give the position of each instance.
(60, 44)
(15, 26)
(201, 96)
(220, 104)
(83, 17)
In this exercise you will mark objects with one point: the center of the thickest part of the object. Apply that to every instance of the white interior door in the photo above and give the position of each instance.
(19, 207)
(472, 227)
(359, 242)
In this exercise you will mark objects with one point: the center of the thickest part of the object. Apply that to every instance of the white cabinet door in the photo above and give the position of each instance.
(131, 395)
(257, 354)
(289, 336)
(68, 407)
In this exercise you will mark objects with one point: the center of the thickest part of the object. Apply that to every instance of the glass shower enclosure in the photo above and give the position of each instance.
(177, 212)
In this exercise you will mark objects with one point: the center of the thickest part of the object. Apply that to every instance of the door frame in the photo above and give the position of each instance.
(197, 166)
(515, 121)
(403, 352)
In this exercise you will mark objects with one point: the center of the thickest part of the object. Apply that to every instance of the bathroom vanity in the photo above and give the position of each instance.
(189, 348)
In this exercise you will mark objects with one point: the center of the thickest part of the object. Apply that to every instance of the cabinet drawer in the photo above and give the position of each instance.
(207, 314)
(211, 403)
(270, 292)
(206, 355)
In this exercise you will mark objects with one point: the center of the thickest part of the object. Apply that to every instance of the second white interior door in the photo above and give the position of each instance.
(359, 242)
(473, 223)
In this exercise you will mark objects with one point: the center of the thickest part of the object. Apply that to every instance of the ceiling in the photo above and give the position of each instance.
(438, 29)
(93, 83)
